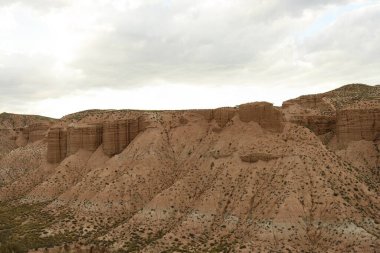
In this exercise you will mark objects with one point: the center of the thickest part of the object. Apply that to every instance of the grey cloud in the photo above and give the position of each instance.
(348, 49)
(183, 42)
(36, 4)
(203, 42)
(29, 78)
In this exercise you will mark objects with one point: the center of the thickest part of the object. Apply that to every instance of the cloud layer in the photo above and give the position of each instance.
(54, 52)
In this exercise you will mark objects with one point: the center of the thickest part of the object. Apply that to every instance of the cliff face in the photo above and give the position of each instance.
(84, 137)
(118, 134)
(265, 114)
(358, 124)
(114, 135)
(57, 145)
(350, 112)
(223, 115)
(319, 124)
(318, 102)
(37, 131)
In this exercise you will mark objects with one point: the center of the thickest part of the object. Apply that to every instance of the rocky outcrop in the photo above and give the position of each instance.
(114, 135)
(88, 137)
(223, 115)
(57, 145)
(255, 157)
(118, 134)
(206, 113)
(37, 131)
(358, 124)
(265, 114)
(319, 124)
(318, 102)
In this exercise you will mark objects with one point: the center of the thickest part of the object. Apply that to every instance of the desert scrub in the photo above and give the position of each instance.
(21, 227)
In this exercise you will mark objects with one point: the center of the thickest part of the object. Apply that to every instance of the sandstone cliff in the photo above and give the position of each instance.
(351, 113)
(87, 137)
(118, 134)
(115, 135)
(265, 114)
(37, 131)
(57, 145)
(358, 124)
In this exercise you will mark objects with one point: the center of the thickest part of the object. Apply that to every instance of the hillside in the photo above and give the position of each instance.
(253, 178)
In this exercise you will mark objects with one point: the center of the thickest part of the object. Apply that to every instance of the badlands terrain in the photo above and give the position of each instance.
(303, 177)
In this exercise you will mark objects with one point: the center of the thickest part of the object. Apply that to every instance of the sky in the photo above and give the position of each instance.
(62, 56)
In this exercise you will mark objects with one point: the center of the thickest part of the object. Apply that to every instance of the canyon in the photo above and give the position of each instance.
(303, 177)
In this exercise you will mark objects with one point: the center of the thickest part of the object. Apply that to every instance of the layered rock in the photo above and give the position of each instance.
(265, 114)
(37, 131)
(223, 115)
(115, 136)
(319, 124)
(256, 156)
(358, 124)
(319, 102)
(118, 134)
(88, 137)
(57, 145)
(206, 113)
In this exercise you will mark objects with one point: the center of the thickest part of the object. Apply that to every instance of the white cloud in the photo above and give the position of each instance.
(54, 51)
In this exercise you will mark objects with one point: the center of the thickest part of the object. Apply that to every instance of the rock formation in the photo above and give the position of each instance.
(350, 112)
(265, 114)
(37, 131)
(358, 124)
(88, 137)
(319, 124)
(57, 145)
(223, 115)
(260, 182)
(118, 134)
(318, 101)
(255, 157)
(115, 135)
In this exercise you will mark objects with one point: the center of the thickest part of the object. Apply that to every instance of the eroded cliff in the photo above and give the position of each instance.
(113, 135)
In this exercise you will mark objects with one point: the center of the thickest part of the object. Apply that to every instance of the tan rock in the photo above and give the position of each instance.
(358, 124)
(37, 131)
(223, 115)
(57, 145)
(319, 124)
(118, 134)
(87, 137)
(265, 114)
(255, 157)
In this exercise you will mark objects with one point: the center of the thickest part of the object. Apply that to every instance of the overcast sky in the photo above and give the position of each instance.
(58, 57)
